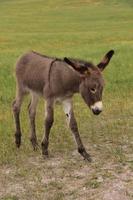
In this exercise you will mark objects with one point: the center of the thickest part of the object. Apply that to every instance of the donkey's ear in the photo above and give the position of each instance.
(69, 62)
(105, 60)
(81, 69)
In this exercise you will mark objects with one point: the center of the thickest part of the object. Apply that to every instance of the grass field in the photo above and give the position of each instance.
(84, 29)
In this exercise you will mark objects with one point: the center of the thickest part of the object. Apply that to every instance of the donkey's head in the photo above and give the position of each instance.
(92, 83)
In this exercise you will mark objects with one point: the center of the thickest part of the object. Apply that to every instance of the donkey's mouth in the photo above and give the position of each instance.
(96, 112)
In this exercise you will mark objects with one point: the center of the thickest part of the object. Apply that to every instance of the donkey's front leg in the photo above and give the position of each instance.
(68, 109)
(49, 119)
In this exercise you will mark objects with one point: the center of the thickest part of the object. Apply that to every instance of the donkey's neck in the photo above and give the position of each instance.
(64, 80)
(76, 84)
(71, 81)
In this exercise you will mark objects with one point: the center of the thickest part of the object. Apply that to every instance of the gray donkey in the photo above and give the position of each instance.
(57, 80)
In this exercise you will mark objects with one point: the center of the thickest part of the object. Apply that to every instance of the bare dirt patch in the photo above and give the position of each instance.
(67, 177)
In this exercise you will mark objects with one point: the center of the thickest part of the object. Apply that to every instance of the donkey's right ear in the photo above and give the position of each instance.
(105, 60)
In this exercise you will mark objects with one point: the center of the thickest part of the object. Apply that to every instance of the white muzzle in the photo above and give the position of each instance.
(97, 107)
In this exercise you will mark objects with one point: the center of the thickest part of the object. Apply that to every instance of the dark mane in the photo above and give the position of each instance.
(78, 61)
(82, 62)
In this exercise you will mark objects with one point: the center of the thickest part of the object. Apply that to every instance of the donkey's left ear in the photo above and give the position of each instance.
(105, 60)
(69, 62)
(81, 69)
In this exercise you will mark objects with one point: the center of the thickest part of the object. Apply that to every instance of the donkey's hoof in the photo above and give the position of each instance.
(18, 144)
(45, 155)
(36, 147)
(87, 157)
(34, 144)
(44, 152)
(17, 140)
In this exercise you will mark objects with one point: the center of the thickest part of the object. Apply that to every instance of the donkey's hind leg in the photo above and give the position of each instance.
(32, 114)
(16, 105)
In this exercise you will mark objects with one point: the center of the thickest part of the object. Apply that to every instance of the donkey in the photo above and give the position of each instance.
(57, 80)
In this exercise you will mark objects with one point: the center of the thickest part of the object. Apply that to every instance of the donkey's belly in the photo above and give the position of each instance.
(60, 99)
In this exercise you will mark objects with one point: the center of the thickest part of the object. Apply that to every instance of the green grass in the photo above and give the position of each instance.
(80, 29)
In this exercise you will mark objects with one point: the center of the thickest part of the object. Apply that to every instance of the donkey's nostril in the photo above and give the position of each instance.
(96, 111)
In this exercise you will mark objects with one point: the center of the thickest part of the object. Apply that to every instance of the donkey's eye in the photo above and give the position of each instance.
(93, 90)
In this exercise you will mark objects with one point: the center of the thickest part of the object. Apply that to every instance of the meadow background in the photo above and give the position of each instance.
(84, 29)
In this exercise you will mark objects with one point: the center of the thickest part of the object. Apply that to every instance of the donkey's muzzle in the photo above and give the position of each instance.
(97, 108)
